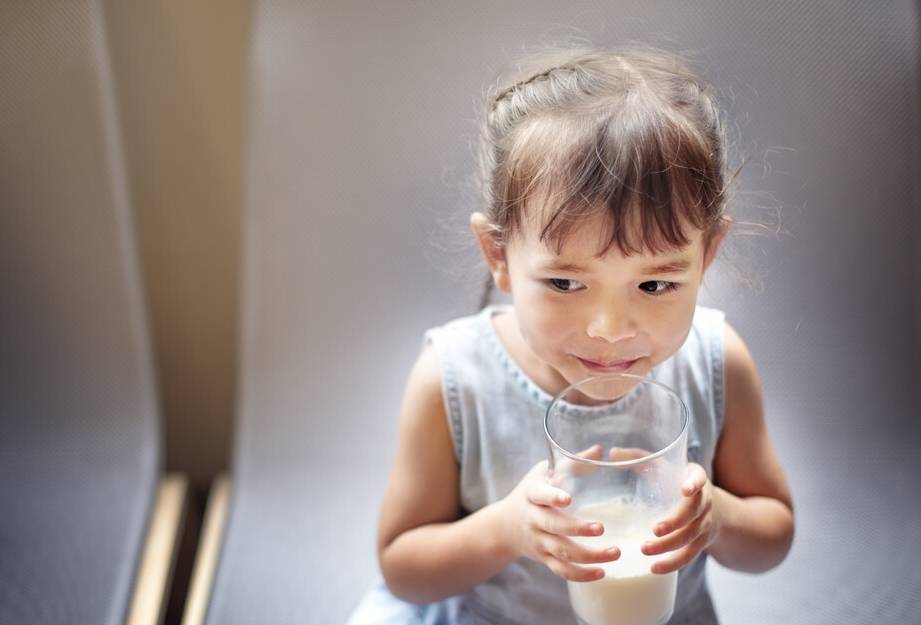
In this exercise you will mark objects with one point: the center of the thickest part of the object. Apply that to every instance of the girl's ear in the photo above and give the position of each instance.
(492, 249)
(715, 242)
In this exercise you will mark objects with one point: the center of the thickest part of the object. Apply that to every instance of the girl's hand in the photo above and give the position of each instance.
(692, 528)
(536, 527)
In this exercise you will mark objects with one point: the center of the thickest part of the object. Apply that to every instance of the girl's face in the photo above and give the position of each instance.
(582, 316)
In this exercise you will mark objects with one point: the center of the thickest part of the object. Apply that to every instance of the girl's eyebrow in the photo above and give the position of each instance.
(555, 265)
(673, 266)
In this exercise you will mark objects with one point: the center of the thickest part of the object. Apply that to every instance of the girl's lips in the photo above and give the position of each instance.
(612, 368)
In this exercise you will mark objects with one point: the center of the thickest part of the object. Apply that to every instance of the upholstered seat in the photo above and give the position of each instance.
(79, 427)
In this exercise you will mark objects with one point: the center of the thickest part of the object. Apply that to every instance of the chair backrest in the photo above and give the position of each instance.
(79, 432)
(360, 134)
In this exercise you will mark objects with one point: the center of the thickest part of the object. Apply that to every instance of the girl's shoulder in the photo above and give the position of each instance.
(703, 353)
(708, 322)
(467, 334)
(465, 323)
(476, 362)
(700, 358)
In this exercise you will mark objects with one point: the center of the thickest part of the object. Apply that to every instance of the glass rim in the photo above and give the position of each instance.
(686, 420)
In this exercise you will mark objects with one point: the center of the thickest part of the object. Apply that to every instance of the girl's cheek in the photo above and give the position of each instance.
(549, 322)
(675, 333)
(540, 329)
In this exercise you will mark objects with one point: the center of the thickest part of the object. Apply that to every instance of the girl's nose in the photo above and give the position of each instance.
(611, 326)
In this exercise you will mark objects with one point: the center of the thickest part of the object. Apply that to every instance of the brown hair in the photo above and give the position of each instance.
(632, 134)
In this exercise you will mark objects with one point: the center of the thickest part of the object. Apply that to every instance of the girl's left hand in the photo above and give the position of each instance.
(692, 528)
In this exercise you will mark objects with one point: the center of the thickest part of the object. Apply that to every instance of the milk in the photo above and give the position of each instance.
(628, 594)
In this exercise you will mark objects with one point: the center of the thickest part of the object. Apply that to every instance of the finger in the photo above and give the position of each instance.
(540, 479)
(689, 509)
(648, 468)
(593, 452)
(567, 467)
(620, 454)
(552, 521)
(624, 454)
(542, 493)
(679, 538)
(567, 550)
(695, 479)
(572, 572)
(681, 558)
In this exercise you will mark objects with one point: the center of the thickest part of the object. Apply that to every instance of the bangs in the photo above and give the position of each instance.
(645, 172)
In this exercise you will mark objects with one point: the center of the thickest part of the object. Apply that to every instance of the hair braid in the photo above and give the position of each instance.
(508, 91)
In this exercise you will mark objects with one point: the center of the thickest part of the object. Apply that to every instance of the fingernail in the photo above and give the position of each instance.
(661, 529)
(596, 528)
(647, 547)
(613, 552)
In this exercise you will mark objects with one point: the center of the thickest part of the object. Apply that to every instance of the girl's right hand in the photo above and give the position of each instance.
(536, 527)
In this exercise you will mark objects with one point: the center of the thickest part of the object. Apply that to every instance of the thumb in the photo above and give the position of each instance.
(695, 479)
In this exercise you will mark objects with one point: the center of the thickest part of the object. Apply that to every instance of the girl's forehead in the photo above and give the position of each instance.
(584, 257)
(590, 241)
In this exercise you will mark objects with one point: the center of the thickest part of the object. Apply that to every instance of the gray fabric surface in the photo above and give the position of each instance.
(361, 121)
(79, 436)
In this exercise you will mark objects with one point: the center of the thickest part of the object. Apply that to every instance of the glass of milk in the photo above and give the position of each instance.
(618, 445)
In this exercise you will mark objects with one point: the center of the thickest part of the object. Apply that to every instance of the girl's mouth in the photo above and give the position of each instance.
(613, 367)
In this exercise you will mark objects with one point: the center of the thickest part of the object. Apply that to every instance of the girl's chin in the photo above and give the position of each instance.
(601, 392)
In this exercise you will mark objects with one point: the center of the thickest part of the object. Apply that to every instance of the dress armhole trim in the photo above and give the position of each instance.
(450, 394)
(717, 349)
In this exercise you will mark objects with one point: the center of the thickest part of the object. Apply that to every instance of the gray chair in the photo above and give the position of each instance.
(361, 120)
(80, 488)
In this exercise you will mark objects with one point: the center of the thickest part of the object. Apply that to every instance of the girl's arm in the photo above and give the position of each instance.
(425, 552)
(751, 492)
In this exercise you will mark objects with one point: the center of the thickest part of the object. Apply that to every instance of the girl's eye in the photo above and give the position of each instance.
(658, 287)
(564, 285)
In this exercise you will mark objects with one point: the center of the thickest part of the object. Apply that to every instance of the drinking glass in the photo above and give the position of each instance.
(618, 446)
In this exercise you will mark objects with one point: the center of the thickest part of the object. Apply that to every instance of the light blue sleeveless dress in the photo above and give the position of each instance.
(495, 413)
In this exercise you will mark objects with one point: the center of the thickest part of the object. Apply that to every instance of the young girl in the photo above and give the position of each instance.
(605, 186)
